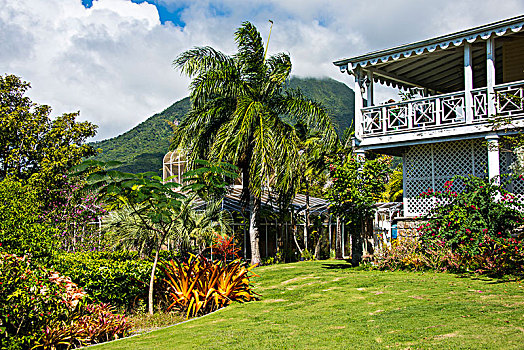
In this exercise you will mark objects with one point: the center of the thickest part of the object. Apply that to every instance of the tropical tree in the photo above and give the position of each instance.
(357, 184)
(241, 113)
(33, 145)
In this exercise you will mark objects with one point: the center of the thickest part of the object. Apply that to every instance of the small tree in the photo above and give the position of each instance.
(155, 206)
(356, 186)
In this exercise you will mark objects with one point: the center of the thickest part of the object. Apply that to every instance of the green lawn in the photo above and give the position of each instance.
(328, 305)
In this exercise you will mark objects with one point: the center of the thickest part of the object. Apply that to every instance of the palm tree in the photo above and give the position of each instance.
(240, 113)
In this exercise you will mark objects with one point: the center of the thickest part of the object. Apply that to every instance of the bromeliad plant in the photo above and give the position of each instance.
(200, 286)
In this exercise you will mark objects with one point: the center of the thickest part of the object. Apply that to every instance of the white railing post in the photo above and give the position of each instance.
(468, 83)
(359, 104)
(438, 116)
(493, 157)
(409, 114)
(384, 116)
(490, 68)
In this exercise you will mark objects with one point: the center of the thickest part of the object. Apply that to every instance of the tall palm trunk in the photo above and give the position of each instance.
(254, 233)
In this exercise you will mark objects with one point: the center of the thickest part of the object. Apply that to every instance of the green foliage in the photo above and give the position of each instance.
(32, 145)
(119, 278)
(307, 255)
(356, 185)
(482, 208)
(208, 180)
(393, 191)
(21, 230)
(41, 309)
(28, 299)
(335, 96)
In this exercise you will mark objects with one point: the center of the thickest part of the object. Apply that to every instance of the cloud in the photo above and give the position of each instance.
(112, 60)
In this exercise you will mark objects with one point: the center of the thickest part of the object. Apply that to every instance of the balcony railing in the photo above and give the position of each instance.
(442, 111)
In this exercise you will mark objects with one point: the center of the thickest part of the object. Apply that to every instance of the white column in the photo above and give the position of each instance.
(493, 157)
(369, 88)
(359, 103)
(490, 65)
(468, 82)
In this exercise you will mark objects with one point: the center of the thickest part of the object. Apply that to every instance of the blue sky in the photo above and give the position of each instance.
(169, 13)
(112, 59)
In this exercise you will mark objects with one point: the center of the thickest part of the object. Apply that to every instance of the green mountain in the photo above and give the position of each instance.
(142, 148)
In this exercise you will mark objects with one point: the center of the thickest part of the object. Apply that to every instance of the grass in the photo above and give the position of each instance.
(143, 322)
(328, 305)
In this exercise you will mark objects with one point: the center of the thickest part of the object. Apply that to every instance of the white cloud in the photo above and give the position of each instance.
(113, 61)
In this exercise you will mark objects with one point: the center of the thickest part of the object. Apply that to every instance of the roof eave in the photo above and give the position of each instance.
(424, 44)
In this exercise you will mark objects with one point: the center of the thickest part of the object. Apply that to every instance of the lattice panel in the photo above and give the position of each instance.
(507, 159)
(430, 166)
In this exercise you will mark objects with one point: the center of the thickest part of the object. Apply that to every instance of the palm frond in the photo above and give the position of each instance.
(201, 59)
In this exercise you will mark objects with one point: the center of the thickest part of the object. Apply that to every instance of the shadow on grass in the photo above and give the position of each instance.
(338, 266)
(490, 279)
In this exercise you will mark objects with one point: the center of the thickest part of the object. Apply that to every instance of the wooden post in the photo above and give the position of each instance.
(490, 69)
(369, 90)
(468, 82)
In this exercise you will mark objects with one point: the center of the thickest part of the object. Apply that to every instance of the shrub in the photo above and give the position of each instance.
(21, 231)
(499, 256)
(200, 286)
(118, 278)
(27, 300)
(88, 324)
(461, 221)
(41, 309)
(403, 255)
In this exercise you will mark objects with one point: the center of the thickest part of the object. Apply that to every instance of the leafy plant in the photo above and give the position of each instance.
(200, 286)
(224, 247)
(307, 255)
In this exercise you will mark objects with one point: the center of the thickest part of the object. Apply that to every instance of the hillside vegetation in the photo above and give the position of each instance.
(142, 148)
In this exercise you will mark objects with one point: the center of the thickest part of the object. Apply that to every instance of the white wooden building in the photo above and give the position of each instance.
(462, 80)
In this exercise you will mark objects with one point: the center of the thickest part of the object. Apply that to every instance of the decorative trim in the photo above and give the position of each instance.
(512, 25)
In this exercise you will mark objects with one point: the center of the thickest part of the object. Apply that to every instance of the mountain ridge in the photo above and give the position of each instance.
(142, 148)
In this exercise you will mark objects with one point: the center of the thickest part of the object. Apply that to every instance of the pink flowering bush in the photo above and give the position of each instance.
(463, 219)
(75, 213)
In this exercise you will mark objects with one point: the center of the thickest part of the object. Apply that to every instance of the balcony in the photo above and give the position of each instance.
(442, 115)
